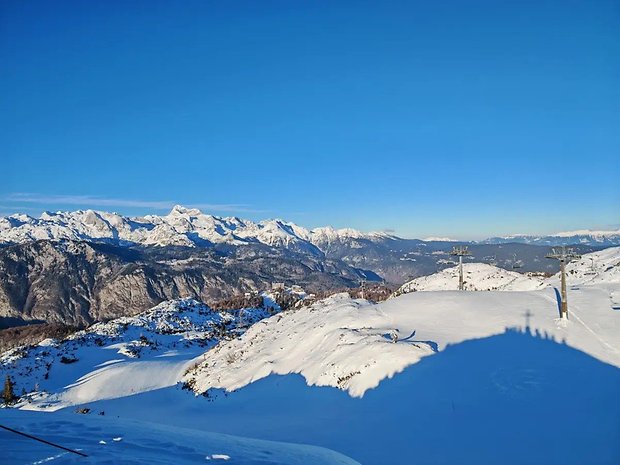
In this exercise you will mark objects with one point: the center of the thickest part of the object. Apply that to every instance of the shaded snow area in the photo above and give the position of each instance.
(118, 441)
(124, 356)
(435, 377)
(348, 343)
(513, 398)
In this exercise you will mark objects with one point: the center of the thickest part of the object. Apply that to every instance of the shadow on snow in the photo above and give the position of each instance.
(517, 397)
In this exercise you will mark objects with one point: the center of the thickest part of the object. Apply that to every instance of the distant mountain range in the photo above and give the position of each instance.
(85, 266)
(584, 237)
(186, 227)
(189, 227)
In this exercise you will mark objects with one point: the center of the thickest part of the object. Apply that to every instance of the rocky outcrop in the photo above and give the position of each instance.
(79, 283)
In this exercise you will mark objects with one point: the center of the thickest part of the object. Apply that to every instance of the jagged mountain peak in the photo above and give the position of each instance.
(182, 226)
(185, 211)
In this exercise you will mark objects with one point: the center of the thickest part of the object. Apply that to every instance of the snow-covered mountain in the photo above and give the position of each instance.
(181, 227)
(585, 237)
(476, 277)
(189, 227)
(596, 267)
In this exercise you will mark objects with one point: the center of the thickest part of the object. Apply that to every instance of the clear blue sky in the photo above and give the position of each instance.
(465, 119)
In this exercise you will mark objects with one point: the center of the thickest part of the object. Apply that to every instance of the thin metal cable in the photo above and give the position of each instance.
(42, 440)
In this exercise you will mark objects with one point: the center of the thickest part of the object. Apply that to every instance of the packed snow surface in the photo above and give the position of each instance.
(114, 441)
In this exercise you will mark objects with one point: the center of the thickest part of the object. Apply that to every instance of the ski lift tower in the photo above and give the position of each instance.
(460, 251)
(564, 255)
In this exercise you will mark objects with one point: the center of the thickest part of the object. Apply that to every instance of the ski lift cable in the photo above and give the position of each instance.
(43, 441)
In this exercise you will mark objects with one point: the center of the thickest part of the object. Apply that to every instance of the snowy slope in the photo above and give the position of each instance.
(477, 277)
(124, 356)
(337, 342)
(515, 398)
(181, 227)
(112, 440)
(497, 373)
(347, 344)
(508, 383)
(595, 268)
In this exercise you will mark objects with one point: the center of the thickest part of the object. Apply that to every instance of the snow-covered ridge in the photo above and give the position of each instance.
(596, 267)
(439, 239)
(477, 277)
(353, 345)
(181, 227)
(325, 343)
(579, 232)
(583, 236)
(588, 232)
(349, 344)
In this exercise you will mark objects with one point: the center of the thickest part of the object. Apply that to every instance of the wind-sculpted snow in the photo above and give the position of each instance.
(339, 342)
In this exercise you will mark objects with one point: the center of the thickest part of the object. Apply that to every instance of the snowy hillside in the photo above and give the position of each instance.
(347, 343)
(597, 267)
(181, 227)
(463, 363)
(592, 268)
(381, 383)
(123, 356)
(337, 342)
(477, 277)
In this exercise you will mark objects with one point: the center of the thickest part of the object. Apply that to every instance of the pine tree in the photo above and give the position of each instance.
(8, 394)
